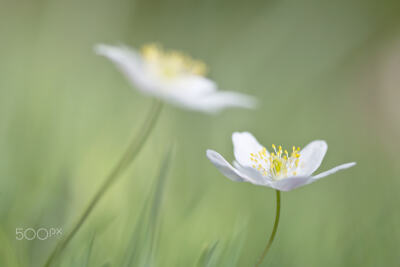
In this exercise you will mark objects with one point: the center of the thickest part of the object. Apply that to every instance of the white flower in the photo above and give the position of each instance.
(280, 169)
(173, 77)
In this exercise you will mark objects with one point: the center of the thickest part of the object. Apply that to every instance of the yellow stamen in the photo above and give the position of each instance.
(172, 63)
(277, 165)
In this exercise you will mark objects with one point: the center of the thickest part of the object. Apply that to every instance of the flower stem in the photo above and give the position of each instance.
(130, 154)
(271, 239)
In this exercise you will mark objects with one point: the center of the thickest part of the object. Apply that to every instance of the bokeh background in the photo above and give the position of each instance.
(321, 70)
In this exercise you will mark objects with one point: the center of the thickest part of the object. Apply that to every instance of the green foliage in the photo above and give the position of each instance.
(66, 115)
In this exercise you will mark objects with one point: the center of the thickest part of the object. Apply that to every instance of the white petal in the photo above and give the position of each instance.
(191, 85)
(311, 157)
(333, 170)
(223, 166)
(217, 101)
(290, 183)
(186, 91)
(252, 175)
(129, 62)
(243, 144)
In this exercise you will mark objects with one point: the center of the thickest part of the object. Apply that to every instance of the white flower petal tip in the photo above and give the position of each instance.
(333, 170)
(281, 169)
(243, 144)
(311, 157)
(173, 77)
(216, 102)
(223, 166)
(225, 99)
(101, 49)
(112, 52)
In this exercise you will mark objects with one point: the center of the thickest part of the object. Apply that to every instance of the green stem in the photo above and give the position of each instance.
(130, 154)
(271, 239)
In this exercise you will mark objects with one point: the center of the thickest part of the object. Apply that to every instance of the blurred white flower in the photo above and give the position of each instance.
(281, 170)
(173, 77)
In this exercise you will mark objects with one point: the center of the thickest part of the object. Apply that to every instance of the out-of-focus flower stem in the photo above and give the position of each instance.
(271, 239)
(128, 157)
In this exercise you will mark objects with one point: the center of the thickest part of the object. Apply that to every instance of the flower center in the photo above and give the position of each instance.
(277, 165)
(171, 64)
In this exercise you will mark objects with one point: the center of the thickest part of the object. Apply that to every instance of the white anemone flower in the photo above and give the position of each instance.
(172, 77)
(280, 169)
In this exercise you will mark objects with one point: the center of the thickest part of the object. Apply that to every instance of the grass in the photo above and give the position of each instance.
(66, 116)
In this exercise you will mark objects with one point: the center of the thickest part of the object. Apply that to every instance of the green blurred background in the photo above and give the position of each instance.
(321, 69)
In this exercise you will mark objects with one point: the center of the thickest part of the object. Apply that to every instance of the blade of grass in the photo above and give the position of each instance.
(89, 251)
(156, 204)
(208, 257)
(132, 254)
(233, 248)
(128, 157)
(140, 252)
